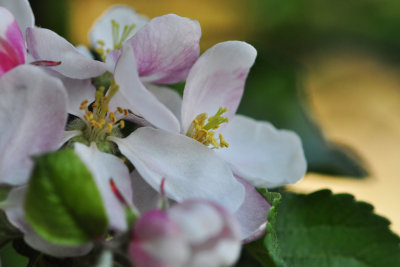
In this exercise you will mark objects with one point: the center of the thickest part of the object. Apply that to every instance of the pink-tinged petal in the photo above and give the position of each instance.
(253, 213)
(261, 154)
(16, 215)
(217, 80)
(33, 114)
(124, 16)
(12, 44)
(190, 169)
(137, 98)
(169, 97)
(22, 11)
(166, 48)
(44, 44)
(105, 167)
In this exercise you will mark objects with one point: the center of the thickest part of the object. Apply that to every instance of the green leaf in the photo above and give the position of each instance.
(63, 204)
(257, 249)
(273, 93)
(322, 229)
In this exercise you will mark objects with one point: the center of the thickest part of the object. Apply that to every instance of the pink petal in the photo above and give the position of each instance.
(22, 11)
(12, 44)
(217, 80)
(191, 170)
(261, 154)
(33, 115)
(44, 44)
(104, 167)
(253, 213)
(166, 48)
(137, 98)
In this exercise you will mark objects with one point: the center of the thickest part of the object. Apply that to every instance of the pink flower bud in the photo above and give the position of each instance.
(191, 233)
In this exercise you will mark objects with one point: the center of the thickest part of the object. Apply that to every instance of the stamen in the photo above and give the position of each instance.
(100, 121)
(204, 133)
(84, 104)
(117, 39)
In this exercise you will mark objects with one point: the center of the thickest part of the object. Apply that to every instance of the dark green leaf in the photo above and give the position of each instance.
(322, 229)
(63, 204)
(273, 93)
(7, 230)
(10, 257)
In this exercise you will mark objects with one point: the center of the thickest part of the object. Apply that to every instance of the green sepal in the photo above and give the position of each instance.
(63, 204)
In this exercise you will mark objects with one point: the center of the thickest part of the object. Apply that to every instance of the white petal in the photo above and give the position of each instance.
(123, 15)
(22, 11)
(191, 170)
(104, 167)
(32, 119)
(69, 135)
(77, 90)
(217, 80)
(84, 51)
(44, 44)
(169, 97)
(137, 97)
(16, 215)
(261, 154)
(145, 198)
(166, 48)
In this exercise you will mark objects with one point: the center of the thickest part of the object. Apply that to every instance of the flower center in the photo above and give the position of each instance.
(204, 132)
(118, 38)
(100, 122)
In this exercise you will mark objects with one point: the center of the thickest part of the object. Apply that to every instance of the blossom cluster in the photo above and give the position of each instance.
(188, 167)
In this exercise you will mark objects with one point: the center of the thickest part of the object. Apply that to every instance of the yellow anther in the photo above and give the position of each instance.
(88, 116)
(126, 112)
(222, 141)
(120, 110)
(204, 133)
(94, 106)
(100, 51)
(102, 122)
(84, 104)
(122, 124)
(111, 116)
(101, 43)
(109, 127)
(95, 124)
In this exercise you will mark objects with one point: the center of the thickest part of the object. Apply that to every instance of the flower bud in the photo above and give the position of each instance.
(192, 233)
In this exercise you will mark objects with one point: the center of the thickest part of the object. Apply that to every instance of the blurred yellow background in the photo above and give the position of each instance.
(353, 94)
